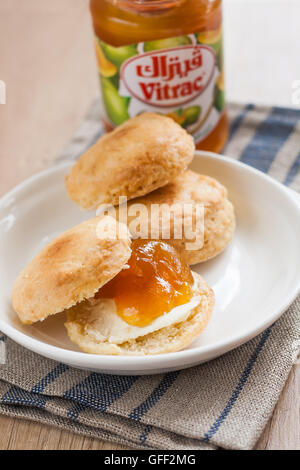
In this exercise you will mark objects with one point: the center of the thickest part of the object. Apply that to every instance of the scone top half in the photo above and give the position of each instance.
(141, 155)
(70, 269)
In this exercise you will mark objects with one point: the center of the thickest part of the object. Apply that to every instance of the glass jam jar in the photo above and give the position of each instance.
(164, 56)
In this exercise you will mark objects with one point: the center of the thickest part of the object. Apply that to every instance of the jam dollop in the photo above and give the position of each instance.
(155, 280)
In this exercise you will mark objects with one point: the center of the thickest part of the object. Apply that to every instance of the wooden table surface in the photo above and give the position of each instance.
(47, 62)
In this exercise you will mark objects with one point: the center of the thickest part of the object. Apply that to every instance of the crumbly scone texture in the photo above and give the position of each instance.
(169, 339)
(219, 227)
(70, 269)
(141, 155)
(217, 217)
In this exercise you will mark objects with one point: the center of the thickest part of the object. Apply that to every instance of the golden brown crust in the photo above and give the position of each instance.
(219, 231)
(68, 270)
(141, 155)
(191, 188)
(169, 339)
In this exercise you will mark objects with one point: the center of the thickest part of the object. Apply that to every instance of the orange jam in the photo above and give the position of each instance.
(155, 281)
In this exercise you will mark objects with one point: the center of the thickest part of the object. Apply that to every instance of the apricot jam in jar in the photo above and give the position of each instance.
(164, 56)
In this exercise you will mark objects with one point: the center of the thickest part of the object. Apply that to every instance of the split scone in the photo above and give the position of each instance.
(141, 155)
(120, 296)
(213, 224)
(154, 305)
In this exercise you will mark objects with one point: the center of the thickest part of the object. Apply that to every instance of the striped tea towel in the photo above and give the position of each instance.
(223, 403)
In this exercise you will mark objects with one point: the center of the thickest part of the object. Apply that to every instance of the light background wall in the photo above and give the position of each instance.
(48, 63)
(262, 50)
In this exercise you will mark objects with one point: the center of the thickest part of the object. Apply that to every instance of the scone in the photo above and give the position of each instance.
(216, 220)
(70, 269)
(154, 305)
(141, 155)
(120, 296)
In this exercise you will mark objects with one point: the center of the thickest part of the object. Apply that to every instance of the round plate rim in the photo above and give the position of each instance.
(172, 360)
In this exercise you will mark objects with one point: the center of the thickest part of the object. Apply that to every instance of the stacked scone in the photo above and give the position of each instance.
(123, 292)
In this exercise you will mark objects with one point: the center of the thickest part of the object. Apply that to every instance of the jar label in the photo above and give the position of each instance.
(181, 77)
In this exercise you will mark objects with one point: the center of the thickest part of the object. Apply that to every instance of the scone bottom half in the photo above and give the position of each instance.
(155, 305)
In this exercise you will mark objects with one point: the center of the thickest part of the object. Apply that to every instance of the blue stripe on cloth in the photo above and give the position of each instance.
(18, 396)
(155, 396)
(97, 136)
(242, 382)
(270, 135)
(99, 391)
(238, 121)
(75, 410)
(145, 434)
(294, 170)
(49, 378)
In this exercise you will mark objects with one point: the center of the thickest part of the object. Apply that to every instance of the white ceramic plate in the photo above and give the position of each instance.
(254, 280)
